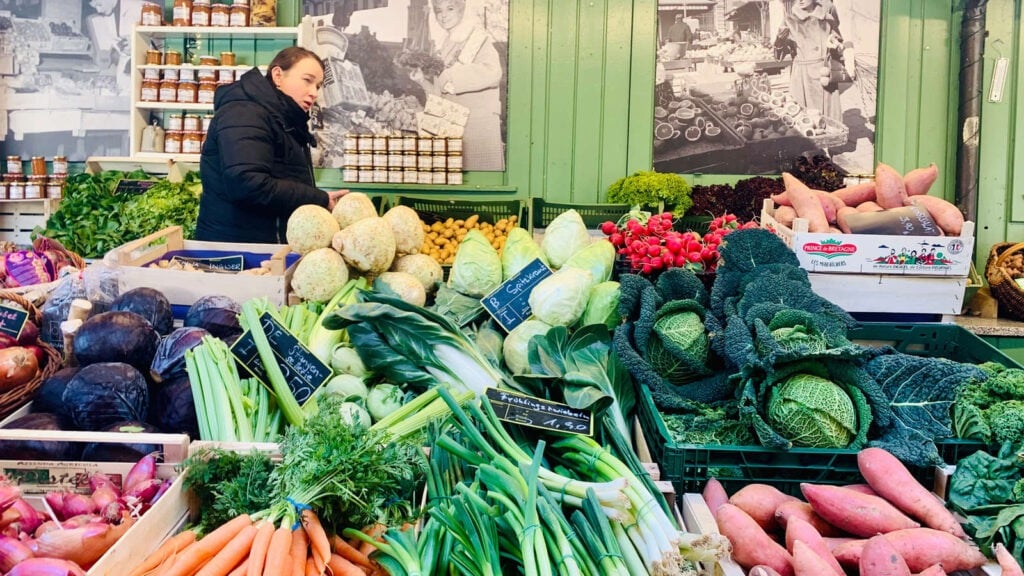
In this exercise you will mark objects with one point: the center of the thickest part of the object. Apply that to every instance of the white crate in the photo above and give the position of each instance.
(889, 293)
(19, 217)
(873, 254)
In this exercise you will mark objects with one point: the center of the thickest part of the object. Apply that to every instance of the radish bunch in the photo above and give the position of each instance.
(650, 244)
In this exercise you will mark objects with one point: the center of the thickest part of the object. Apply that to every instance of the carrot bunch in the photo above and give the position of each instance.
(244, 547)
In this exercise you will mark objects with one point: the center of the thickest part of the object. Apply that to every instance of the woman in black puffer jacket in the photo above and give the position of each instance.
(256, 166)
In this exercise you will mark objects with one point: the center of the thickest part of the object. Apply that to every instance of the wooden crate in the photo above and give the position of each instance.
(166, 517)
(183, 288)
(19, 217)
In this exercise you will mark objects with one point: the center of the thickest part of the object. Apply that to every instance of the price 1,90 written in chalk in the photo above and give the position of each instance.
(539, 413)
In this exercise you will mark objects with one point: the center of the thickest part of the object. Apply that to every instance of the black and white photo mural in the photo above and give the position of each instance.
(434, 67)
(747, 86)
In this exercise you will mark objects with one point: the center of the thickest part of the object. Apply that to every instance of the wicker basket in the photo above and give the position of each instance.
(11, 400)
(1001, 282)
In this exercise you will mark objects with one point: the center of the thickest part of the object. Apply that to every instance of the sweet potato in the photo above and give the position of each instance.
(919, 180)
(833, 541)
(892, 481)
(841, 215)
(806, 203)
(761, 570)
(804, 533)
(714, 494)
(890, 192)
(879, 558)
(947, 216)
(834, 230)
(857, 194)
(802, 510)
(829, 203)
(1007, 563)
(862, 488)
(921, 548)
(856, 513)
(785, 215)
(751, 545)
(869, 207)
(807, 562)
(760, 501)
(933, 570)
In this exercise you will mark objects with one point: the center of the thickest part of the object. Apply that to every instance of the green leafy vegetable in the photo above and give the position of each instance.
(811, 411)
(226, 484)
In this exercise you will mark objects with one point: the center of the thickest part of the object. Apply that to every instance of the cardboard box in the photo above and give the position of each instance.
(183, 288)
(892, 293)
(875, 254)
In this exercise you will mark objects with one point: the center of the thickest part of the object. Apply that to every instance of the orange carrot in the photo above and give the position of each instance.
(231, 555)
(349, 552)
(341, 567)
(192, 558)
(241, 569)
(166, 551)
(375, 531)
(279, 561)
(299, 551)
(258, 554)
(318, 541)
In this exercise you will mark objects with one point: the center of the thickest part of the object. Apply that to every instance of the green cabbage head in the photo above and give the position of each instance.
(603, 305)
(678, 345)
(516, 348)
(476, 270)
(559, 299)
(563, 237)
(598, 257)
(811, 411)
(520, 249)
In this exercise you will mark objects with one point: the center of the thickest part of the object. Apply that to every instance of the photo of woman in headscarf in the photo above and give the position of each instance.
(814, 26)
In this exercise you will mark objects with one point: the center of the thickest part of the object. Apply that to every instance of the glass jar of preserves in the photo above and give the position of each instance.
(3, 190)
(206, 90)
(409, 161)
(408, 143)
(455, 145)
(38, 165)
(455, 161)
(13, 176)
(172, 142)
(175, 121)
(409, 176)
(439, 177)
(380, 175)
(151, 74)
(35, 187)
(55, 187)
(171, 74)
(172, 58)
(454, 177)
(154, 57)
(188, 92)
(424, 177)
(14, 166)
(349, 174)
(185, 74)
(394, 175)
(364, 159)
(191, 123)
(425, 145)
(168, 91)
(380, 160)
(350, 143)
(380, 143)
(150, 91)
(239, 14)
(192, 142)
(152, 14)
(364, 143)
(440, 146)
(425, 162)
(227, 58)
(220, 15)
(225, 76)
(182, 13)
(206, 75)
(60, 165)
(395, 160)
(201, 13)
(16, 190)
(239, 73)
(208, 61)
(207, 120)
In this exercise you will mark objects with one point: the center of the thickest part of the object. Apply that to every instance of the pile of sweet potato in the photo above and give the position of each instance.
(891, 526)
(827, 211)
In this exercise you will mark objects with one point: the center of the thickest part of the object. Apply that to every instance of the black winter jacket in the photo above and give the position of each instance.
(256, 167)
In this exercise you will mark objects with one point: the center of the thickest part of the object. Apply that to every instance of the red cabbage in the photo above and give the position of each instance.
(106, 393)
(169, 361)
(37, 449)
(173, 409)
(149, 303)
(116, 336)
(218, 315)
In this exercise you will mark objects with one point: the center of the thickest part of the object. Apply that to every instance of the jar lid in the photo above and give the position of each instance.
(200, 3)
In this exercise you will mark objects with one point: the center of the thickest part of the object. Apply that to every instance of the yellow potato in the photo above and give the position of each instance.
(448, 233)
(461, 236)
(513, 219)
(436, 227)
(449, 222)
(472, 220)
(460, 223)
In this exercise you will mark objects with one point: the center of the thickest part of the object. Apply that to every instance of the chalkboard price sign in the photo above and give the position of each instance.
(303, 371)
(12, 320)
(539, 413)
(230, 264)
(125, 186)
(509, 303)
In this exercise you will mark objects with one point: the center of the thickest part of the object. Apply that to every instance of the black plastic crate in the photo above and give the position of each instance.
(688, 466)
(543, 212)
(437, 210)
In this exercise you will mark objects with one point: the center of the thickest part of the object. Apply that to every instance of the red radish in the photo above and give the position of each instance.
(921, 548)
(799, 531)
(892, 481)
(714, 494)
(1007, 563)
(919, 180)
(856, 513)
(879, 558)
(806, 562)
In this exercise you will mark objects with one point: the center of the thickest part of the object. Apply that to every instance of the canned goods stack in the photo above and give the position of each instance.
(166, 79)
(201, 13)
(37, 183)
(402, 159)
(185, 133)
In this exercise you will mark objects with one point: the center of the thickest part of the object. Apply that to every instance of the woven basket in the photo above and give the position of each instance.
(1001, 283)
(11, 400)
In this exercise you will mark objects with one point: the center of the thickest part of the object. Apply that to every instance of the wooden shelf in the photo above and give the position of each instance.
(174, 106)
(170, 32)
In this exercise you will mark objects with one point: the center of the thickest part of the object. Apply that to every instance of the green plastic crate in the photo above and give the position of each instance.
(435, 210)
(543, 212)
(688, 466)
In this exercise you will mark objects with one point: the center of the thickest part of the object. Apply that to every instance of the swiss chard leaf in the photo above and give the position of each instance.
(981, 480)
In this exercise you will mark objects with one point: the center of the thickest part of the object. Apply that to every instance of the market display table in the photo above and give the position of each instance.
(1005, 334)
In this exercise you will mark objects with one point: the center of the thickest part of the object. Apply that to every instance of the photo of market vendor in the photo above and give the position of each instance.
(814, 27)
(256, 167)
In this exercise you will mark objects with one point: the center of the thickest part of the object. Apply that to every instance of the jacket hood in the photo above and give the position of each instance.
(257, 88)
